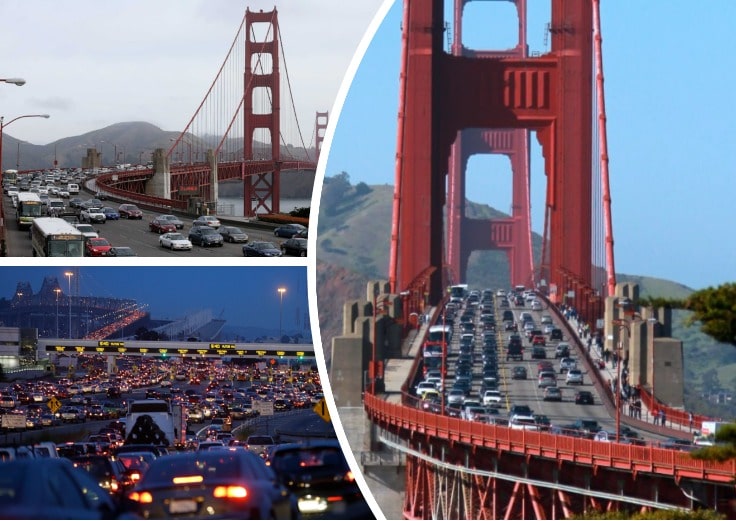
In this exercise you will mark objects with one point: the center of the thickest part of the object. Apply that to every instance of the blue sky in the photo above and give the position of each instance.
(246, 296)
(668, 80)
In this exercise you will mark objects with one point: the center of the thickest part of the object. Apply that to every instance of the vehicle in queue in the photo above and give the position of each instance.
(130, 211)
(232, 484)
(289, 230)
(205, 236)
(154, 421)
(92, 214)
(159, 225)
(97, 247)
(261, 249)
(294, 247)
(233, 234)
(174, 241)
(55, 237)
(28, 207)
(206, 220)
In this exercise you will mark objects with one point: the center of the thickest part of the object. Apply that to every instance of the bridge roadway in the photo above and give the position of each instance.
(136, 233)
(452, 464)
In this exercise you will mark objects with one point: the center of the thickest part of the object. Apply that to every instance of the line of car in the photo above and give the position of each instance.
(479, 397)
(206, 231)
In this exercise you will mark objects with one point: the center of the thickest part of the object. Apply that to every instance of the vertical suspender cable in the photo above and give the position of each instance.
(610, 266)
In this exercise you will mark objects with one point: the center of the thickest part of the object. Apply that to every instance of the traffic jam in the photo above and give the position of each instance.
(115, 228)
(172, 438)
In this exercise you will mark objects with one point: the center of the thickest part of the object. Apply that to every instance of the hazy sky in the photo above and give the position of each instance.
(91, 63)
(670, 129)
(245, 296)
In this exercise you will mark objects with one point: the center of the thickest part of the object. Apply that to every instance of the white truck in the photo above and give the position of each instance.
(155, 422)
(707, 434)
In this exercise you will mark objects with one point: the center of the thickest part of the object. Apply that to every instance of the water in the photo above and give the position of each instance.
(234, 205)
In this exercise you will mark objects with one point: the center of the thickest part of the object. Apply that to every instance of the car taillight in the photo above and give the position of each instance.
(141, 497)
(135, 476)
(230, 492)
(114, 485)
(349, 476)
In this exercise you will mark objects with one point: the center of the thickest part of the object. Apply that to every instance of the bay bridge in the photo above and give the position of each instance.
(462, 102)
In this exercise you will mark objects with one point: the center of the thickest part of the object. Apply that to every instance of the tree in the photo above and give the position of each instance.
(713, 308)
(724, 450)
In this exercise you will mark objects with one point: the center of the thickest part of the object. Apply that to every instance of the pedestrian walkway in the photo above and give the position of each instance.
(648, 420)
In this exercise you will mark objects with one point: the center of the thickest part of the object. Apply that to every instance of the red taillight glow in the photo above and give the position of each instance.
(141, 497)
(135, 476)
(230, 492)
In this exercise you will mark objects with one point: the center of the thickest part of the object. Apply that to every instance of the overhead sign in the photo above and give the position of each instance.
(110, 347)
(322, 410)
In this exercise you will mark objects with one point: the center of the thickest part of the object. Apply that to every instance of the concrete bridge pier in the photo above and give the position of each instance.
(160, 183)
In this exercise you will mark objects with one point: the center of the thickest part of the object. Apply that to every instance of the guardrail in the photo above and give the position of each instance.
(631, 458)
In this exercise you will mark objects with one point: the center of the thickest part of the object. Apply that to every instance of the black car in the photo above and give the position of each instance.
(232, 234)
(51, 488)
(318, 474)
(295, 247)
(233, 484)
(261, 249)
(584, 398)
(205, 236)
(109, 473)
(121, 251)
(289, 230)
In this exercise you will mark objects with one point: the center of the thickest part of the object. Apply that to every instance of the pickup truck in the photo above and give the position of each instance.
(92, 215)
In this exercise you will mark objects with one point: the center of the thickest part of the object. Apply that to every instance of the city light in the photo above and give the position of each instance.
(281, 291)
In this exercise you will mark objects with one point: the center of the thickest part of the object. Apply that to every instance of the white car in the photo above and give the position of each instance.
(174, 241)
(87, 231)
(521, 422)
(574, 376)
(491, 397)
(92, 215)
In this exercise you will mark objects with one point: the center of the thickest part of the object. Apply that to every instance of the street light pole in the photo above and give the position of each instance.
(68, 275)
(57, 291)
(281, 291)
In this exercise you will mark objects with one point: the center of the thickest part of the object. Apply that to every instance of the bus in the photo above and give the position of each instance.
(10, 176)
(55, 237)
(28, 208)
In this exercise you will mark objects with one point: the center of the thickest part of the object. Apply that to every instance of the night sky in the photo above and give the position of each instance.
(244, 296)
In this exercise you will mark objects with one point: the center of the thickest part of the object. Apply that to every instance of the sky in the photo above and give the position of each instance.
(244, 296)
(90, 64)
(668, 79)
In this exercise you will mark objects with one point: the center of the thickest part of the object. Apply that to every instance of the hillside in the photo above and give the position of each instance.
(353, 247)
(134, 141)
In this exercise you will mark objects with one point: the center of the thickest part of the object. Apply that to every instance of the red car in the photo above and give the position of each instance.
(161, 226)
(97, 247)
(538, 340)
(130, 211)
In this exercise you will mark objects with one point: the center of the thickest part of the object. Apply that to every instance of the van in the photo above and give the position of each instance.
(55, 206)
(73, 188)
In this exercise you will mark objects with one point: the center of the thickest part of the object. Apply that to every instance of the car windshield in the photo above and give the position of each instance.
(263, 246)
(232, 230)
(85, 228)
(99, 242)
(176, 237)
